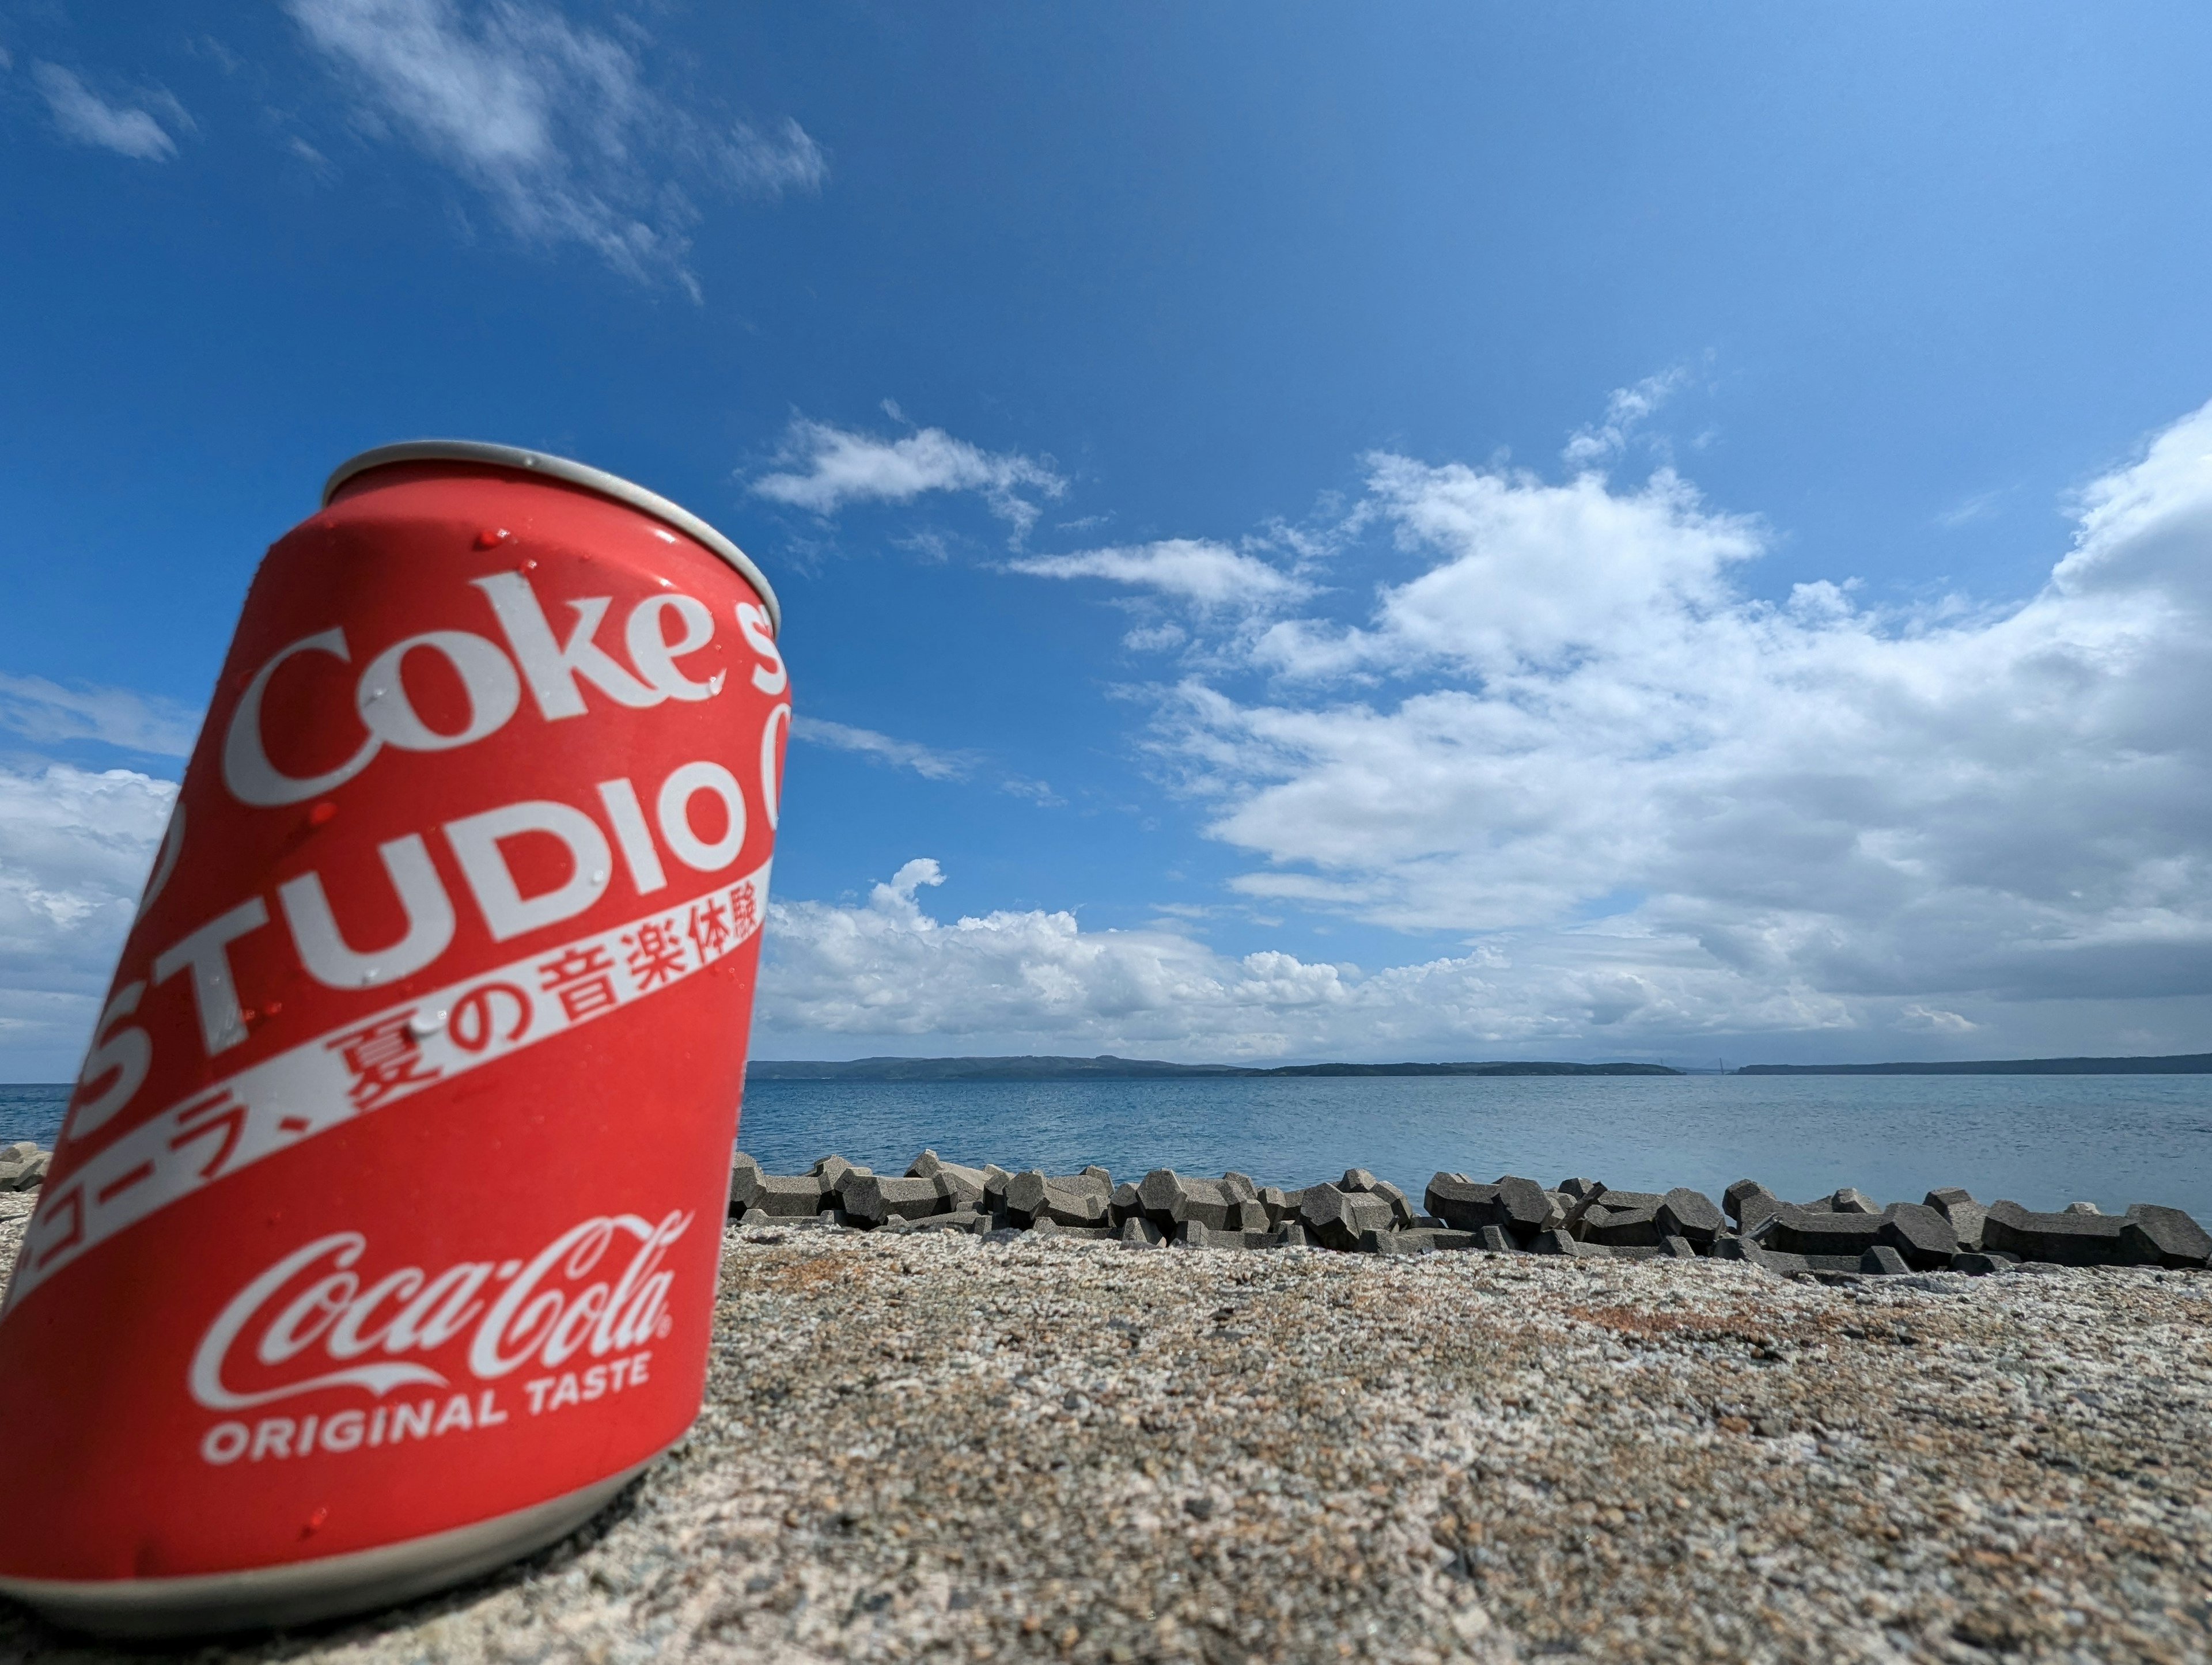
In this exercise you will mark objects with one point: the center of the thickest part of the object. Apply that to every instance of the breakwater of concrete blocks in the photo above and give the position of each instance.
(1844, 1234)
(23, 1166)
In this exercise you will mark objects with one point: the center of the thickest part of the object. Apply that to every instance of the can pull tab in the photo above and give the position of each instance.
(492, 536)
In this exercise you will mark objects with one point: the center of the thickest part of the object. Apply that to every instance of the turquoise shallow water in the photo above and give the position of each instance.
(2041, 1141)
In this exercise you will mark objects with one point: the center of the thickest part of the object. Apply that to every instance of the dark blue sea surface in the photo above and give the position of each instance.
(2041, 1141)
(33, 1111)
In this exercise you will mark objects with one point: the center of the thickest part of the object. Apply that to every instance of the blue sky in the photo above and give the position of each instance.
(1426, 531)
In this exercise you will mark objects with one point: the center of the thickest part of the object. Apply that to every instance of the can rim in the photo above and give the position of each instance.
(575, 473)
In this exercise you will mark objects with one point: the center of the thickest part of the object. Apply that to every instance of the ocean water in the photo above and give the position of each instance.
(33, 1111)
(2041, 1141)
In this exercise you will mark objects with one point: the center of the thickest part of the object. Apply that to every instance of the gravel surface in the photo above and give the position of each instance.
(956, 1448)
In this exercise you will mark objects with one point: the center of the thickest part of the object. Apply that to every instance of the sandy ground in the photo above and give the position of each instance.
(953, 1447)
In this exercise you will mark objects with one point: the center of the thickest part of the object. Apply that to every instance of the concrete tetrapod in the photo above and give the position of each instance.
(1834, 1236)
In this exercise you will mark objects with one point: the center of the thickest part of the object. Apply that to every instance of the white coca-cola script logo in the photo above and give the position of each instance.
(313, 1312)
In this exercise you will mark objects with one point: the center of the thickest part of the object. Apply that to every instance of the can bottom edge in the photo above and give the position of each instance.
(299, 1592)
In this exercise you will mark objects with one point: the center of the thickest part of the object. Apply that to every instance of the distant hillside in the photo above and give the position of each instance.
(1109, 1068)
(2186, 1063)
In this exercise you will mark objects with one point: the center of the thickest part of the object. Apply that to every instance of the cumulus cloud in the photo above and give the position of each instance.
(1208, 575)
(924, 761)
(1655, 808)
(555, 124)
(822, 468)
(888, 969)
(83, 117)
(1576, 708)
(75, 850)
(886, 972)
(46, 711)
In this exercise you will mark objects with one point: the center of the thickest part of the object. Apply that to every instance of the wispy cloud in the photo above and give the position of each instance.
(823, 468)
(317, 162)
(1204, 575)
(46, 712)
(1155, 638)
(555, 124)
(83, 117)
(925, 761)
(1624, 412)
(1967, 510)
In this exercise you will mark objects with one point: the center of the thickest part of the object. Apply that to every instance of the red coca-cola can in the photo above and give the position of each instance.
(379, 1244)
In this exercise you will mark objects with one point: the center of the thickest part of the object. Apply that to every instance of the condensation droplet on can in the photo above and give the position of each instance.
(598, 875)
(423, 1025)
(492, 536)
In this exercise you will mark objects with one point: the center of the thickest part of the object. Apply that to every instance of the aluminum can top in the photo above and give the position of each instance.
(574, 473)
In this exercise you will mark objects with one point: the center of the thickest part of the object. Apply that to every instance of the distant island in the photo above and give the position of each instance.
(1107, 1067)
(2185, 1063)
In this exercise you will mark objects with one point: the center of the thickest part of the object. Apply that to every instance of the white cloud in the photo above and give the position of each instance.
(1967, 510)
(317, 162)
(931, 762)
(768, 164)
(45, 711)
(82, 116)
(883, 749)
(1543, 576)
(886, 971)
(1933, 1020)
(823, 468)
(1155, 638)
(1624, 412)
(1658, 810)
(1208, 575)
(74, 848)
(1039, 792)
(555, 124)
(1585, 712)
